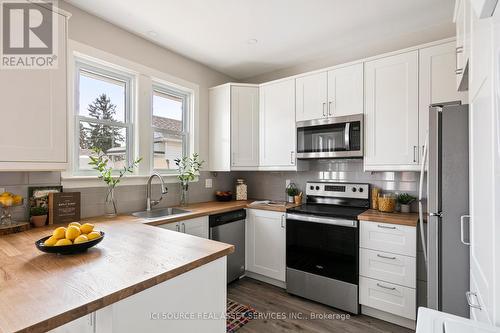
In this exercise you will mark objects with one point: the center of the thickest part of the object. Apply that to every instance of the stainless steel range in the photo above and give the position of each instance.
(322, 244)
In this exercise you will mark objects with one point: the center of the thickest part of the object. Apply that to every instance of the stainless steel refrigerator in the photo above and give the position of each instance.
(446, 250)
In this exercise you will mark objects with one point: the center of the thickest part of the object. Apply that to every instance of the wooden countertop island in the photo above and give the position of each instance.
(40, 291)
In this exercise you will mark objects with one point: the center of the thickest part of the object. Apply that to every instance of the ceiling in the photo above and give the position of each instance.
(222, 33)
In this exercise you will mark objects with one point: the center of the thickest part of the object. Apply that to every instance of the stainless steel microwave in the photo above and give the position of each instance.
(334, 137)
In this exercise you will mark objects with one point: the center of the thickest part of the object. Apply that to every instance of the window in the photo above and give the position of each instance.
(103, 116)
(170, 127)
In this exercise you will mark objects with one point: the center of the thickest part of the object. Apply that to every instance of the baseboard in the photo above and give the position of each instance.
(266, 279)
(389, 317)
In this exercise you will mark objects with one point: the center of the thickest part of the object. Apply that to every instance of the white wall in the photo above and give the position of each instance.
(93, 31)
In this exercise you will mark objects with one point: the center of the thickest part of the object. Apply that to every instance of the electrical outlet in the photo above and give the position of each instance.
(2, 189)
(208, 183)
(287, 182)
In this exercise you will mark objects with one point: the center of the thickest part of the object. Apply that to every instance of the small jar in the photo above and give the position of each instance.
(387, 203)
(375, 195)
(241, 190)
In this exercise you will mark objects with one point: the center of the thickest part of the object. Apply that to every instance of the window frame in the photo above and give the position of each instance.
(100, 70)
(186, 96)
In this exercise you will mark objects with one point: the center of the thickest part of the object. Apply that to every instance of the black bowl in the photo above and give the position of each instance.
(67, 249)
(224, 197)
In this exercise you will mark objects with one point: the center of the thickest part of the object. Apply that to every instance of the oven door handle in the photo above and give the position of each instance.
(347, 136)
(323, 220)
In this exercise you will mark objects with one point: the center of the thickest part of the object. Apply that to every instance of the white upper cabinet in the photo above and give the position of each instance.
(345, 91)
(462, 49)
(436, 82)
(311, 99)
(234, 127)
(34, 111)
(391, 113)
(336, 93)
(219, 120)
(277, 125)
(244, 127)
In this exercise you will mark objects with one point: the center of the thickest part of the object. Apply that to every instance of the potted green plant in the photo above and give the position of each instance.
(100, 162)
(405, 200)
(189, 168)
(38, 216)
(292, 190)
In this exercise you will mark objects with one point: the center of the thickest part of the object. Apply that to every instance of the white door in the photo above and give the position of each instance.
(345, 91)
(265, 243)
(196, 227)
(436, 82)
(174, 226)
(484, 138)
(85, 324)
(219, 130)
(312, 97)
(244, 126)
(277, 124)
(34, 109)
(391, 112)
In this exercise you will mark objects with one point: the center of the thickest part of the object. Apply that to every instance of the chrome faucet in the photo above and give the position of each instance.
(150, 203)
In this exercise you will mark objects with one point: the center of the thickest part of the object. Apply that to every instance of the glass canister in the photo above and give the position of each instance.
(387, 203)
(375, 195)
(241, 190)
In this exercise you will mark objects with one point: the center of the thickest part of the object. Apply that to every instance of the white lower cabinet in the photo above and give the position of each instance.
(388, 297)
(388, 272)
(196, 227)
(265, 243)
(100, 321)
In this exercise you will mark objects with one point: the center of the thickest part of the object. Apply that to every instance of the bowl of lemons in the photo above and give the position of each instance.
(74, 238)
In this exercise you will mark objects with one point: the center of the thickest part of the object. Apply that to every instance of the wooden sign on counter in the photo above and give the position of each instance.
(64, 207)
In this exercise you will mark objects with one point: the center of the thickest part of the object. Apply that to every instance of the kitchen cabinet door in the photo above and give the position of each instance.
(311, 98)
(277, 125)
(462, 49)
(244, 126)
(174, 226)
(34, 110)
(345, 91)
(391, 113)
(265, 243)
(436, 83)
(196, 227)
(219, 128)
(85, 324)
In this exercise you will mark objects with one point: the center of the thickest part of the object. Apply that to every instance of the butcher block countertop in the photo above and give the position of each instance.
(408, 219)
(40, 291)
(216, 207)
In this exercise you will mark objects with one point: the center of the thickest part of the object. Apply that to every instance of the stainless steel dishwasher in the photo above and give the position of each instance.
(230, 228)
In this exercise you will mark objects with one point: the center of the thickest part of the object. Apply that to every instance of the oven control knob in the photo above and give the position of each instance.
(360, 189)
(317, 188)
(354, 189)
(311, 187)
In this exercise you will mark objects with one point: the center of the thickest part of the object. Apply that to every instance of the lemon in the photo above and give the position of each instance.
(17, 199)
(51, 241)
(93, 235)
(59, 232)
(81, 239)
(63, 242)
(76, 224)
(86, 228)
(72, 232)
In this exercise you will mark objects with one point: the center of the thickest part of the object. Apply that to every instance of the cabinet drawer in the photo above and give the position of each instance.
(388, 297)
(394, 268)
(387, 237)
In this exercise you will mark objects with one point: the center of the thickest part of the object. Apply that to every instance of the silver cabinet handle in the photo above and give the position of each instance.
(324, 104)
(292, 162)
(415, 153)
(459, 71)
(177, 227)
(459, 49)
(385, 287)
(282, 221)
(381, 256)
(462, 229)
(330, 108)
(183, 227)
(385, 227)
(469, 295)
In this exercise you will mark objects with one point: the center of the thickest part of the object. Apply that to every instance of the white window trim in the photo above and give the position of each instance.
(129, 79)
(146, 77)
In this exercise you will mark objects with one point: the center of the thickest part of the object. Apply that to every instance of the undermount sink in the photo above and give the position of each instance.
(160, 212)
